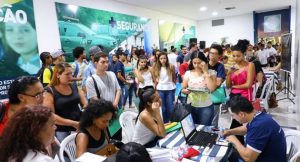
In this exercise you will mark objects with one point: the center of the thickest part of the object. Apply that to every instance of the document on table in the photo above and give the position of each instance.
(89, 157)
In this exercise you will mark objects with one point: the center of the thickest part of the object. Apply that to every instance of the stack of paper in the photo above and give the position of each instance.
(159, 154)
(89, 157)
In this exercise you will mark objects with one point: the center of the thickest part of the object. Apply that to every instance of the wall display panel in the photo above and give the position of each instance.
(18, 42)
(86, 27)
(175, 34)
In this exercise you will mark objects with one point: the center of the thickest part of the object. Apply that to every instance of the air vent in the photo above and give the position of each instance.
(229, 8)
(218, 22)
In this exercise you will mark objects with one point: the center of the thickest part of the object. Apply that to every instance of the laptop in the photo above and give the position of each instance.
(194, 137)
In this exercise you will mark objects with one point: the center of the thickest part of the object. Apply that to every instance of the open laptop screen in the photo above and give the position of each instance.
(187, 125)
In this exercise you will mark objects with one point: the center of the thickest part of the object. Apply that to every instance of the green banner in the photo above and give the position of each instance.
(175, 34)
(18, 46)
(86, 27)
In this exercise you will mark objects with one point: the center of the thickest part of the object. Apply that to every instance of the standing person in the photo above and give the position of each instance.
(79, 65)
(119, 70)
(45, 73)
(172, 58)
(265, 139)
(94, 121)
(58, 56)
(144, 76)
(149, 125)
(103, 81)
(228, 53)
(130, 87)
(241, 76)
(198, 83)
(215, 53)
(91, 67)
(165, 80)
(64, 99)
(27, 135)
(263, 55)
(25, 90)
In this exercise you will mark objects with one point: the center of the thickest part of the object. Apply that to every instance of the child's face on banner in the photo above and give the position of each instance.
(21, 37)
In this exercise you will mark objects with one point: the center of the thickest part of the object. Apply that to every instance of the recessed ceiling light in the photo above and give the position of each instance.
(203, 8)
(215, 13)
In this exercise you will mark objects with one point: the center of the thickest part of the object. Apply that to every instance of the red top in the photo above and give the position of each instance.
(5, 118)
(183, 68)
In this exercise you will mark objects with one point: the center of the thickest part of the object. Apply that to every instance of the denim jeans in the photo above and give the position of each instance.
(167, 98)
(129, 90)
(215, 120)
(203, 115)
(121, 101)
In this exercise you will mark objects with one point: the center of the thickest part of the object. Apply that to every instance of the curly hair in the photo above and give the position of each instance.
(18, 86)
(21, 133)
(94, 110)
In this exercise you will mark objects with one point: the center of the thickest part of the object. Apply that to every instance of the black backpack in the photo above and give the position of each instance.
(40, 74)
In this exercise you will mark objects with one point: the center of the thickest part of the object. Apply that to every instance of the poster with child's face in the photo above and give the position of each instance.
(18, 42)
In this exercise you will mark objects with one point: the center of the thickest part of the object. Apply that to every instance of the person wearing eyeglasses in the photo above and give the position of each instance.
(25, 90)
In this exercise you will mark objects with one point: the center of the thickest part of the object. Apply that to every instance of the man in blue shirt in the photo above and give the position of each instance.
(119, 70)
(215, 53)
(265, 140)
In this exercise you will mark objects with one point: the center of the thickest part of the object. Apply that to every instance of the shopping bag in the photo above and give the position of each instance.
(180, 110)
(218, 96)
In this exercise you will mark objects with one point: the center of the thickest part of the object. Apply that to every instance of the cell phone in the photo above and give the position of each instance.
(232, 68)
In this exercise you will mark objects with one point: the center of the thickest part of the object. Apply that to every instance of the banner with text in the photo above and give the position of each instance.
(18, 42)
(87, 27)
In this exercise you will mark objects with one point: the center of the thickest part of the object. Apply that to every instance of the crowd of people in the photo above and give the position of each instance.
(84, 96)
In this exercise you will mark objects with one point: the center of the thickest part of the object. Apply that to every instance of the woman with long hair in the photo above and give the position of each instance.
(165, 79)
(27, 134)
(240, 77)
(94, 121)
(149, 125)
(198, 82)
(144, 76)
(65, 100)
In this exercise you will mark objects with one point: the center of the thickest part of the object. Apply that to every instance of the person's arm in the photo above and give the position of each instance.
(49, 102)
(156, 125)
(82, 141)
(138, 76)
(153, 76)
(276, 68)
(120, 77)
(247, 154)
(184, 83)
(209, 79)
(250, 78)
(228, 78)
(90, 89)
(83, 100)
(241, 130)
(118, 92)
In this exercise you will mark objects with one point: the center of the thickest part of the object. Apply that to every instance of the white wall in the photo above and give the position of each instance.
(235, 28)
(47, 27)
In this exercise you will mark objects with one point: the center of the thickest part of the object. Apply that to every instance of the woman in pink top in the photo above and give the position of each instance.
(240, 77)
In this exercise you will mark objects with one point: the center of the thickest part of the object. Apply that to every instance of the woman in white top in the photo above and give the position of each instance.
(149, 123)
(198, 83)
(27, 135)
(144, 76)
(165, 79)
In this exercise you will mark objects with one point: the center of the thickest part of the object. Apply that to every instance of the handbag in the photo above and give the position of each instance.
(272, 102)
(180, 110)
(218, 96)
(108, 150)
(255, 102)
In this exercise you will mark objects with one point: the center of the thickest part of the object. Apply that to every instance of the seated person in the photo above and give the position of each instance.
(149, 124)
(24, 90)
(131, 152)
(27, 135)
(92, 135)
(265, 140)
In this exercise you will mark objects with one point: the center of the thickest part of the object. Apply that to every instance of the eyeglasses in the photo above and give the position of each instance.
(38, 96)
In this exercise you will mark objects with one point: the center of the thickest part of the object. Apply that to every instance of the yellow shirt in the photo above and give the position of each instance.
(231, 61)
(47, 75)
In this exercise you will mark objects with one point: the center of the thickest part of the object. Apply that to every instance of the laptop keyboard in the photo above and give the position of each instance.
(202, 138)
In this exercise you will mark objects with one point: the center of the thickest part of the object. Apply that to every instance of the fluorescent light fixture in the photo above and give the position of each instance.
(144, 19)
(73, 8)
(203, 8)
(161, 22)
(215, 13)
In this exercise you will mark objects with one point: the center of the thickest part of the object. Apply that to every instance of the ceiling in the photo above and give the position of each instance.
(191, 8)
